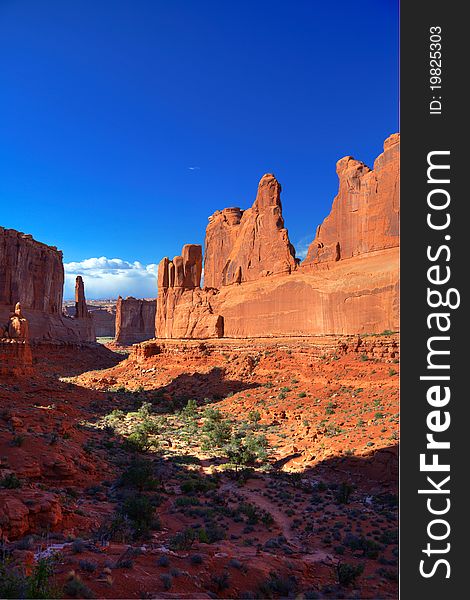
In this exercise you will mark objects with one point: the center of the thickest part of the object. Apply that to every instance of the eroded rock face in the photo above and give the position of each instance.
(15, 350)
(32, 273)
(365, 213)
(246, 245)
(254, 286)
(81, 310)
(135, 320)
(183, 309)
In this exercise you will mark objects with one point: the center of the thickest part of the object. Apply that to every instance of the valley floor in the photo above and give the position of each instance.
(186, 469)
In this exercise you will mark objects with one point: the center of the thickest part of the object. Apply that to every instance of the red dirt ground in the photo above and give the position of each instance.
(322, 501)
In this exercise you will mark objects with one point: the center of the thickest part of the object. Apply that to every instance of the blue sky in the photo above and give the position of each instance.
(106, 106)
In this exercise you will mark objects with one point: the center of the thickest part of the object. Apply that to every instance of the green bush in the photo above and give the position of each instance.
(10, 482)
(347, 573)
(344, 493)
(15, 584)
(141, 511)
(217, 431)
(77, 589)
(140, 475)
(183, 540)
(278, 586)
(245, 451)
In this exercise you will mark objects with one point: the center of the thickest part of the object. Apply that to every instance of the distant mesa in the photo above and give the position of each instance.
(135, 320)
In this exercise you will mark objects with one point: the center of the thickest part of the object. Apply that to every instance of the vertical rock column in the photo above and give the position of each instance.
(183, 309)
(81, 310)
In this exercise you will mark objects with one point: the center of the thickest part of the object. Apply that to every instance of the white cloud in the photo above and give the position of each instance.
(111, 277)
(301, 247)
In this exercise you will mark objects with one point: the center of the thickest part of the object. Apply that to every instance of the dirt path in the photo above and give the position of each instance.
(280, 519)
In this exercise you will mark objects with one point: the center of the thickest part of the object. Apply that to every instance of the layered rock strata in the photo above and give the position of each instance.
(254, 285)
(365, 213)
(32, 273)
(135, 320)
(247, 245)
(184, 310)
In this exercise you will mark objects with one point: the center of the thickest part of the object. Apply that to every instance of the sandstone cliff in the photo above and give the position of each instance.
(32, 273)
(135, 320)
(183, 309)
(246, 245)
(254, 286)
(81, 310)
(365, 213)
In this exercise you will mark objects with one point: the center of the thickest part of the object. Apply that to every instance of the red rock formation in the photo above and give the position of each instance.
(15, 351)
(104, 320)
(102, 313)
(246, 245)
(183, 309)
(81, 310)
(347, 284)
(32, 273)
(135, 320)
(365, 213)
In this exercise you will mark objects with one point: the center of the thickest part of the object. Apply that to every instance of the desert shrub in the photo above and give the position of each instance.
(185, 459)
(250, 511)
(141, 438)
(114, 417)
(139, 474)
(278, 585)
(347, 573)
(10, 482)
(125, 563)
(196, 559)
(167, 580)
(210, 534)
(12, 580)
(15, 584)
(254, 416)
(390, 536)
(163, 561)
(77, 589)
(193, 483)
(190, 410)
(141, 511)
(183, 540)
(344, 492)
(245, 451)
(187, 501)
(369, 548)
(145, 410)
(88, 566)
(78, 546)
(221, 580)
(217, 430)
